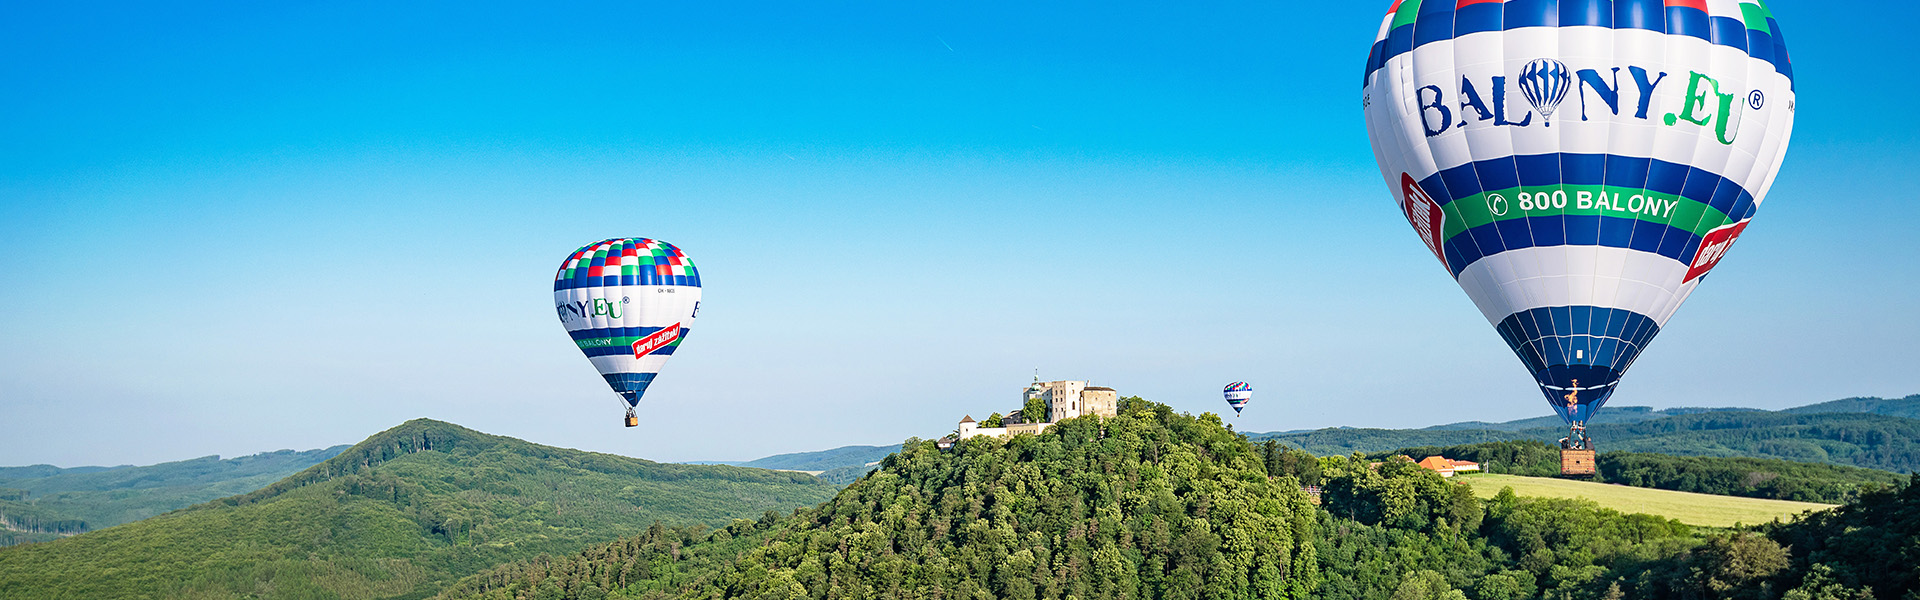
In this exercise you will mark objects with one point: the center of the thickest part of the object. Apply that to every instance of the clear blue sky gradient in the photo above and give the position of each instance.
(237, 227)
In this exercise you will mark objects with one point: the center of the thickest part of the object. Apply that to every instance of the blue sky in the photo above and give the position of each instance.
(234, 227)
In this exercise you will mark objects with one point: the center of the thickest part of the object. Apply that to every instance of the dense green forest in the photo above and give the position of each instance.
(1874, 441)
(1750, 477)
(1725, 476)
(43, 502)
(397, 516)
(1156, 505)
(1150, 504)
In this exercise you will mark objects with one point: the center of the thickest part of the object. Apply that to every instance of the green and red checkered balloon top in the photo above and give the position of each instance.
(626, 261)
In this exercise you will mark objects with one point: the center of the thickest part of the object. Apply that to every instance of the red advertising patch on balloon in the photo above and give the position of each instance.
(659, 339)
(1713, 247)
(1424, 214)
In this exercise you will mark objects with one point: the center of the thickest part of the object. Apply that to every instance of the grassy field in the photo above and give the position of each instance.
(1692, 509)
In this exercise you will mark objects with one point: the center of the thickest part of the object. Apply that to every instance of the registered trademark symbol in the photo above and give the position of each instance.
(1497, 204)
(1756, 99)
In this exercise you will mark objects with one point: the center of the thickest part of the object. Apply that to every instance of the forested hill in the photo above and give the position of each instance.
(1146, 505)
(398, 515)
(1152, 505)
(1876, 441)
(43, 502)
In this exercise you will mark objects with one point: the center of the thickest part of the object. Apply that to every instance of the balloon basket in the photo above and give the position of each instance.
(632, 419)
(1576, 463)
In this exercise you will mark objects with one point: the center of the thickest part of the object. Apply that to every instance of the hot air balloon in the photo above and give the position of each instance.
(1581, 211)
(1238, 394)
(628, 303)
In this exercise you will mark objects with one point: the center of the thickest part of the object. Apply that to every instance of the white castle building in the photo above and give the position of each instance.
(1064, 400)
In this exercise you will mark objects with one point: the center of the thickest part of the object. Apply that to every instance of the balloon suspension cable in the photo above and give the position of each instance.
(1577, 438)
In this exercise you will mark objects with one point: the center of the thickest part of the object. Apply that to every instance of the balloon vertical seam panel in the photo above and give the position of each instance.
(628, 304)
(1579, 165)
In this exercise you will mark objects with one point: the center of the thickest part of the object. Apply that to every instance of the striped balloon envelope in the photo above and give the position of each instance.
(1579, 165)
(627, 303)
(1238, 395)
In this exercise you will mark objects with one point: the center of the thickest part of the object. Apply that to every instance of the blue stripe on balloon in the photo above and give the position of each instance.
(605, 332)
(1476, 18)
(1781, 63)
(1760, 45)
(1441, 21)
(1640, 14)
(1593, 13)
(1375, 58)
(620, 350)
(1530, 13)
(1728, 31)
(1399, 41)
(1568, 230)
(1693, 183)
(1687, 21)
(1434, 23)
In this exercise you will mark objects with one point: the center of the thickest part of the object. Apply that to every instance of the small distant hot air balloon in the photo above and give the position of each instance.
(1238, 394)
(627, 303)
(1669, 121)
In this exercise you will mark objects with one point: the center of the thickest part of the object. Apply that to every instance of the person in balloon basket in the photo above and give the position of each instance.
(1577, 438)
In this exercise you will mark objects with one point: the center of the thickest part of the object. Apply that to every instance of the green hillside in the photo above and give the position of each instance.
(396, 516)
(1134, 507)
(1863, 440)
(1153, 505)
(42, 502)
(1685, 507)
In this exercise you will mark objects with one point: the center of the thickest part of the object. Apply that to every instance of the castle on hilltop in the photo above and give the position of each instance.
(1063, 400)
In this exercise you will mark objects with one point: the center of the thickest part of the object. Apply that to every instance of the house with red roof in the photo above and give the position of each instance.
(1448, 467)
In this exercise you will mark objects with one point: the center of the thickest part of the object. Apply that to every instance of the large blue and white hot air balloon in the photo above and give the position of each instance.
(627, 303)
(1578, 242)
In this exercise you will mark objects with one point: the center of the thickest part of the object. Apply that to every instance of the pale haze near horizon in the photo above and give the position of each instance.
(251, 228)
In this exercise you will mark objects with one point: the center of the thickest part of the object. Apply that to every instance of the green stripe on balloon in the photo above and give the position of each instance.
(627, 340)
(1690, 215)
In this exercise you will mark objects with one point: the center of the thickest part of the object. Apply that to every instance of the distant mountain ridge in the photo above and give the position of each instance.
(396, 516)
(842, 459)
(44, 502)
(1908, 407)
(824, 460)
(1612, 415)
